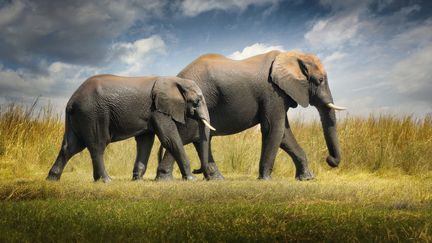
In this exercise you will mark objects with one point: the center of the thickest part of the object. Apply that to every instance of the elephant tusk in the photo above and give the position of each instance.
(338, 108)
(208, 125)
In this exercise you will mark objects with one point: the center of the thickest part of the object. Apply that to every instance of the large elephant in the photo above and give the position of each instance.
(108, 108)
(260, 90)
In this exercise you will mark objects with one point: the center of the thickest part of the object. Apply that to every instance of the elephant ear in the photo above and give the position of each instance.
(168, 99)
(289, 73)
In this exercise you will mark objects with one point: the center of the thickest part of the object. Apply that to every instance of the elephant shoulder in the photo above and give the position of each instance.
(209, 60)
(199, 68)
(210, 56)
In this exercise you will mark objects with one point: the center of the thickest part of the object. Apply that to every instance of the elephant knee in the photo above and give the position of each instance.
(165, 142)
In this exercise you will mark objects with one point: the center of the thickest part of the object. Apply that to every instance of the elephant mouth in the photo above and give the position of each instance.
(207, 124)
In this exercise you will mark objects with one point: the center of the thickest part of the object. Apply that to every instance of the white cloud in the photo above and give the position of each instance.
(12, 81)
(54, 86)
(420, 35)
(195, 7)
(335, 56)
(413, 75)
(376, 62)
(255, 49)
(132, 52)
(58, 80)
(353, 23)
(334, 31)
(135, 54)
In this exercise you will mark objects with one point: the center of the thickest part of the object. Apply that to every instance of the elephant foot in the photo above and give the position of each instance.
(54, 174)
(215, 177)
(305, 176)
(265, 178)
(136, 178)
(105, 179)
(164, 177)
(211, 173)
(138, 171)
(332, 161)
(189, 178)
(52, 177)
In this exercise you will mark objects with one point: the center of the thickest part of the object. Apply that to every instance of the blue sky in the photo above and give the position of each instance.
(377, 53)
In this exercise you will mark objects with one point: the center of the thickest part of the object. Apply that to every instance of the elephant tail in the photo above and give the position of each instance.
(71, 136)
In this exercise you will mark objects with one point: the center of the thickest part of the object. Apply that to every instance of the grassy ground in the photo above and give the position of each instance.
(332, 208)
(381, 192)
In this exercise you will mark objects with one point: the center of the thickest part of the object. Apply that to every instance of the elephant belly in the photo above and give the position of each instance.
(125, 132)
(127, 125)
(231, 119)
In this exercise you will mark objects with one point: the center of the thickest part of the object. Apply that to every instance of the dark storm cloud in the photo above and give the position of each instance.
(82, 31)
(48, 47)
(72, 31)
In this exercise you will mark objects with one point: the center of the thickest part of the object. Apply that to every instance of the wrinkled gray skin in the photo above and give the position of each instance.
(109, 108)
(260, 90)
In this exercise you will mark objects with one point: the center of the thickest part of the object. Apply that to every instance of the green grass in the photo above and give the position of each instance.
(381, 192)
(333, 208)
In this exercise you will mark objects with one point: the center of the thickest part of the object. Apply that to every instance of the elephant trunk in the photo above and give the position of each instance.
(328, 121)
(204, 116)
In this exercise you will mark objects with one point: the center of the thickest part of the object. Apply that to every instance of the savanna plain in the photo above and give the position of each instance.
(381, 192)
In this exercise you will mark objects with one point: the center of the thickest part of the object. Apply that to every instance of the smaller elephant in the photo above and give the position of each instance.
(108, 108)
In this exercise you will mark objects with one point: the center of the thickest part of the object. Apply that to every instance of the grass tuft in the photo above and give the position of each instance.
(384, 144)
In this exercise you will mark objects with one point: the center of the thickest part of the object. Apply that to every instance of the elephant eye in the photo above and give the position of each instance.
(195, 102)
(317, 81)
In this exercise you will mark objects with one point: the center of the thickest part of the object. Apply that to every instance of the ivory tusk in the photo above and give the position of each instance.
(208, 125)
(338, 108)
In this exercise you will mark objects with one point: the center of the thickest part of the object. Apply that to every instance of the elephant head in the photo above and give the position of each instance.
(178, 97)
(303, 78)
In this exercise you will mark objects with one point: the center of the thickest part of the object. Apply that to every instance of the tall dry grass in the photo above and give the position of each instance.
(386, 144)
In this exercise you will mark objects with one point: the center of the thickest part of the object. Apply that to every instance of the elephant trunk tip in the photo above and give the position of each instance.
(333, 161)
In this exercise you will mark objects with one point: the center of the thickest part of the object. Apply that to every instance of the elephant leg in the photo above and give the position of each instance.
(211, 158)
(166, 164)
(70, 146)
(165, 167)
(96, 154)
(144, 144)
(168, 135)
(289, 145)
(272, 133)
(213, 172)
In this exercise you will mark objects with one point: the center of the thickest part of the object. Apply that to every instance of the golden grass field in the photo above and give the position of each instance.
(382, 190)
